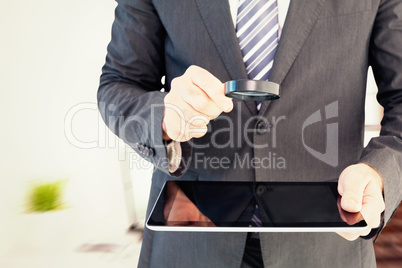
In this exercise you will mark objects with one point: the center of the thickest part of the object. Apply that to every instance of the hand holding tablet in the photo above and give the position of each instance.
(225, 207)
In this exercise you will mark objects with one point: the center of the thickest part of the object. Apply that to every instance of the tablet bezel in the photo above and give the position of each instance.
(153, 227)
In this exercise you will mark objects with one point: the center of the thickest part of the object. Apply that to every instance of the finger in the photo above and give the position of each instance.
(198, 121)
(176, 135)
(184, 131)
(349, 218)
(195, 132)
(351, 236)
(373, 205)
(174, 124)
(211, 86)
(174, 104)
(201, 102)
(351, 187)
(181, 135)
(365, 231)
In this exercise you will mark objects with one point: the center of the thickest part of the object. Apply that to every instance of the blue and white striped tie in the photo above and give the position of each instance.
(256, 218)
(257, 31)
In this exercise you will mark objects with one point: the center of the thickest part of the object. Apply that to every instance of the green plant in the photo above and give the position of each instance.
(44, 197)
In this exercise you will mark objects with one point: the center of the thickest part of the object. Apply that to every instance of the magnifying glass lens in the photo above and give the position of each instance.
(255, 90)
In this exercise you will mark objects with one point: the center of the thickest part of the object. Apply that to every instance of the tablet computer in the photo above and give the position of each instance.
(211, 206)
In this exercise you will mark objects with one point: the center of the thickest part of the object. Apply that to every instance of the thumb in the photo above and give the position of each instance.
(351, 186)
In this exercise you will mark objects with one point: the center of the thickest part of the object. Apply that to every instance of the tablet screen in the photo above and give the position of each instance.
(230, 206)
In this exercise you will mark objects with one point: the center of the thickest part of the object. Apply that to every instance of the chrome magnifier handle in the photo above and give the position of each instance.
(255, 90)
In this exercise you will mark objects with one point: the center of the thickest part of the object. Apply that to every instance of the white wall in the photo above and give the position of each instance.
(373, 110)
(51, 54)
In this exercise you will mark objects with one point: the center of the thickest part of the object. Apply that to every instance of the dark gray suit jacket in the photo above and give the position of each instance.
(311, 133)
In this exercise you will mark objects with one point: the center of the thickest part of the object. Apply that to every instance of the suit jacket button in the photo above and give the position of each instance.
(146, 151)
(261, 189)
(141, 148)
(262, 127)
(151, 152)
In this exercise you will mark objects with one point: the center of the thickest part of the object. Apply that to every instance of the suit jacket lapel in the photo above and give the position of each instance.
(219, 23)
(301, 17)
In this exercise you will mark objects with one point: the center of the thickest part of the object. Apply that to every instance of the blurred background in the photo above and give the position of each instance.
(51, 58)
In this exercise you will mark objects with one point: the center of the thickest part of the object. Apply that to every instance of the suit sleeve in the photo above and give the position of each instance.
(130, 99)
(385, 152)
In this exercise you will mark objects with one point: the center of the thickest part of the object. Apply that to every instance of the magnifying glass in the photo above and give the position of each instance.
(255, 90)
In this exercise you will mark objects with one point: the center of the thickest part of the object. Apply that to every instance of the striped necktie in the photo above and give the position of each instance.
(257, 31)
(256, 218)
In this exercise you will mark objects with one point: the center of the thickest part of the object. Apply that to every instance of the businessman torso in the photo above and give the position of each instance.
(311, 133)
